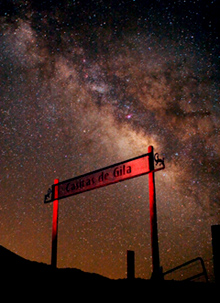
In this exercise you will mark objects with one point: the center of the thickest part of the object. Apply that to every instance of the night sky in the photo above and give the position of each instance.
(86, 84)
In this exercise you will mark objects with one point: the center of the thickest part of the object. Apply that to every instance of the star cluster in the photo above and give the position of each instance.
(86, 85)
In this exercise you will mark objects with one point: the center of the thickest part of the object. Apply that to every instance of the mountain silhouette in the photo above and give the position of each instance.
(15, 266)
(42, 278)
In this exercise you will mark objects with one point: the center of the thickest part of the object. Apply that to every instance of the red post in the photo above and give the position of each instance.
(156, 270)
(55, 226)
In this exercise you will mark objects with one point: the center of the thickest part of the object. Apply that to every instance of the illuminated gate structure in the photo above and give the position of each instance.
(115, 173)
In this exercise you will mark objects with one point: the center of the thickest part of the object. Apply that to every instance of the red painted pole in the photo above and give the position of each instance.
(156, 270)
(55, 226)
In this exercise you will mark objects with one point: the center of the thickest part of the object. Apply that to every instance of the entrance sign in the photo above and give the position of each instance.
(118, 172)
(112, 174)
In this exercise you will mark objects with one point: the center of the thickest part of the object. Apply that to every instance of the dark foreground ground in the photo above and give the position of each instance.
(26, 279)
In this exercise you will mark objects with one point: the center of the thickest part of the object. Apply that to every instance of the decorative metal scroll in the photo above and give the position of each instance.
(159, 161)
(48, 196)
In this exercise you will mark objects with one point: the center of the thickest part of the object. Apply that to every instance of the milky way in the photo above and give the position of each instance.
(79, 96)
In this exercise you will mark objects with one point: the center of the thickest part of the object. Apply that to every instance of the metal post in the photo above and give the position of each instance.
(130, 265)
(156, 270)
(216, 251)
(55, 226)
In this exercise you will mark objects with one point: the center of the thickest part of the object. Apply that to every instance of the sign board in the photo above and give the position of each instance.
(112, 174)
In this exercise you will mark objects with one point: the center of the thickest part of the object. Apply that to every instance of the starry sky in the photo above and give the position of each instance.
(86, 84)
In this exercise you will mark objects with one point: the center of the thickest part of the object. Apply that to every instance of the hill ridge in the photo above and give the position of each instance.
(11, 262)
(25, 273)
